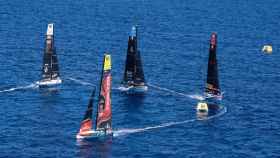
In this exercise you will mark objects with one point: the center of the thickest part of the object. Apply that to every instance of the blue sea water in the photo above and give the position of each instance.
(174, 38)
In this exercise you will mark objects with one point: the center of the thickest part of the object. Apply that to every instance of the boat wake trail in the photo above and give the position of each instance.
(81, 82)
(123, 132)
(122, 89)
(193, 96)
(30, 86)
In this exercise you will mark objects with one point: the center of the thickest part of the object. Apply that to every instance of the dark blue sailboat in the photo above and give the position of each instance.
(212, 89)
(133, 80)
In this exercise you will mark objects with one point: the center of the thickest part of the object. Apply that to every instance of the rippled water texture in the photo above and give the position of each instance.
(174, 45)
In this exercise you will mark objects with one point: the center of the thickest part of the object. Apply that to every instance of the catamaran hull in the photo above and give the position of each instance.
(49, 83)
(134, 89)
(94, 135)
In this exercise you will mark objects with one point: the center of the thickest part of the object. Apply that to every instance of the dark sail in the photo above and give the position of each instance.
(139, 74)
(212, 86)
(55, 68)
(86, 124)
(133, 68)
(104, 111)
(130, 60)
(50, 68)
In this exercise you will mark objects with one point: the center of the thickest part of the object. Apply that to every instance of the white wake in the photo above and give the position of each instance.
(123, 89)
(123, 132)
(30, 86)
(193, 96)
(81, 82)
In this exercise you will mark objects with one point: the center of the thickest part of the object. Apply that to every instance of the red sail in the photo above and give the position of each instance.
(86, 124)
(104, 115)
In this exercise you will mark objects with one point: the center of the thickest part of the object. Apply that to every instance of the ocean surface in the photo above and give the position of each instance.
(174, 42)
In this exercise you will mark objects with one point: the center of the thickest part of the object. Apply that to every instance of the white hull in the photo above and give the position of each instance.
(49, 82)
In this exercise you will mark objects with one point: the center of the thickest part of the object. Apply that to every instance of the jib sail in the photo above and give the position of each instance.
(86, 124)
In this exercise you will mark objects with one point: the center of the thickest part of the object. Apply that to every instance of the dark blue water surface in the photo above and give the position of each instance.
(173, 39)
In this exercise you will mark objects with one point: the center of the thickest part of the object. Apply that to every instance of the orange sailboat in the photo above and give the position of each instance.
(103, 124)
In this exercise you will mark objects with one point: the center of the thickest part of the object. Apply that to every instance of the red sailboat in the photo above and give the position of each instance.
(103, 124)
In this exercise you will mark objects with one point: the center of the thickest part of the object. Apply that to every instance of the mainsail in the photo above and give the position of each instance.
(212, 86)
(86, 124)
(50, 64)
(104, 111)
(133, 68)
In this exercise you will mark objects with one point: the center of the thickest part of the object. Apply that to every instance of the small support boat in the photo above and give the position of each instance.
(103, 123)
(204, 109)
(50, 70)
(133, 80)
(212, 89)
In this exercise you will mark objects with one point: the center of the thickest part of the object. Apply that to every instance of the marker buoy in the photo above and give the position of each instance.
(267, 49)
(202, 107)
